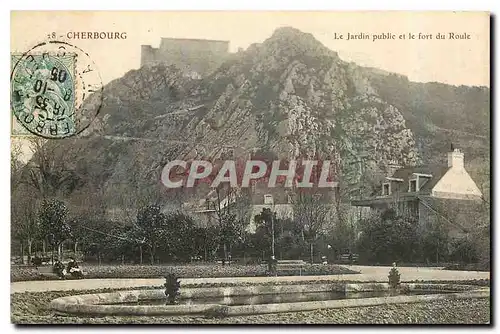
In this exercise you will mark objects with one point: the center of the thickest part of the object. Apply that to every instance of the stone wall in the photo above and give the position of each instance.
(115, 303)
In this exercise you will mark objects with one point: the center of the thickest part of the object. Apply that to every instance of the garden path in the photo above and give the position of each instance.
(367, 273)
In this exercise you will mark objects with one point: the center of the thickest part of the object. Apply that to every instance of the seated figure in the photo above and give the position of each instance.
(59, 269)
(73, 269)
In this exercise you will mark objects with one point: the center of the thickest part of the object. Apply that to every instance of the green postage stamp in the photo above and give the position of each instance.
(43, 94)
(51, 88)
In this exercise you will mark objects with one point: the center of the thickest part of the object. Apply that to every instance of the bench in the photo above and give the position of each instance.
(46, 271)
(290, 265)
(39, 261)
(285, 263)
(348, 258)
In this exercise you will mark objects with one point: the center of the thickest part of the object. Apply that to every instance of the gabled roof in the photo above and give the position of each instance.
(405, 174)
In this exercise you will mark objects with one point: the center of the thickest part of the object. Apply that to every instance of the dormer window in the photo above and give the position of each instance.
(268, 199)
(413, 186)
(386, 189)
(416, 181)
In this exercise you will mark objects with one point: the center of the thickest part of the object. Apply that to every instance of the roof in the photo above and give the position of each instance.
(405, 173)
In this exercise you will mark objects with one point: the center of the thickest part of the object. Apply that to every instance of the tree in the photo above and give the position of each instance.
(481, 239)
(48, 172)
(312, 214)
(178, 238)
(24, 223)
(343, 233)
(47, 175)
(387, 238)
(483, 244)
(288, 242)
(16, 164)
(470, 223)
(481, 232)
(231, 225)
(434, 242)
(464, 250)
(52, 218)
(102, 238)
(266, 232)
(150, 225)
(206, 241)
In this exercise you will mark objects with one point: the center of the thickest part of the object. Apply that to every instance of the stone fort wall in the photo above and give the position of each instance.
(198, 55)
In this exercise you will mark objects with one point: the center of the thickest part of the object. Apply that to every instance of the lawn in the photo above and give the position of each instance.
(24, 273)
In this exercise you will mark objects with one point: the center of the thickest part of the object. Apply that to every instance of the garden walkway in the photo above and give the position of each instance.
(367, 273)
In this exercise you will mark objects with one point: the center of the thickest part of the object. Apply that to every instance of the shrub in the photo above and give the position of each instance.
(389, 237)
(183, 271)
(404, 290)
(219, 311)
(394, 277)
(464, 251)
(272, 267)
(172, 287)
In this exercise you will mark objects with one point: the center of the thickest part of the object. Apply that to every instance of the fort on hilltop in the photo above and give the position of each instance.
(197, 57)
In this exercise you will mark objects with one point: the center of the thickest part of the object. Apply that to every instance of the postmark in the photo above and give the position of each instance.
(56, 90)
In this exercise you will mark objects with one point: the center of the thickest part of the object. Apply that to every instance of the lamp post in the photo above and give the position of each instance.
(272, 261)
(272, 232)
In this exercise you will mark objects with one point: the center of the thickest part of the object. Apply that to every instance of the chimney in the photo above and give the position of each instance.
(392, 167)
(456, 159)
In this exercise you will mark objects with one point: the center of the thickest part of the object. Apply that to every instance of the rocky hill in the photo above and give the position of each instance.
(438, 114)
(289, 95)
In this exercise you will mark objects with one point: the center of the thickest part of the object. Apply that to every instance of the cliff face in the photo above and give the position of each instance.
(289, 95)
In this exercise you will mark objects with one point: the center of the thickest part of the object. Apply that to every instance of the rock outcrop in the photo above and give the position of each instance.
(289, 95)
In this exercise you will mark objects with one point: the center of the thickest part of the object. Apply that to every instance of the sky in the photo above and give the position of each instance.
(457, 62)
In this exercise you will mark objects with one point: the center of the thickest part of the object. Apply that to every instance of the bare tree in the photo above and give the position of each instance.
(343, 231)
(24, 225)
(232, 212)
(48, 171)
(312, 213)
(16, 163)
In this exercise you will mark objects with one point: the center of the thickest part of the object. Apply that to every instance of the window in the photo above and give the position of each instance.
(413, 186)
(386, 189)
(268, 199)
(413, 208)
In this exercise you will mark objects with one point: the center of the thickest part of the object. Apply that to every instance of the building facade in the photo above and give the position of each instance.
(430, 193)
